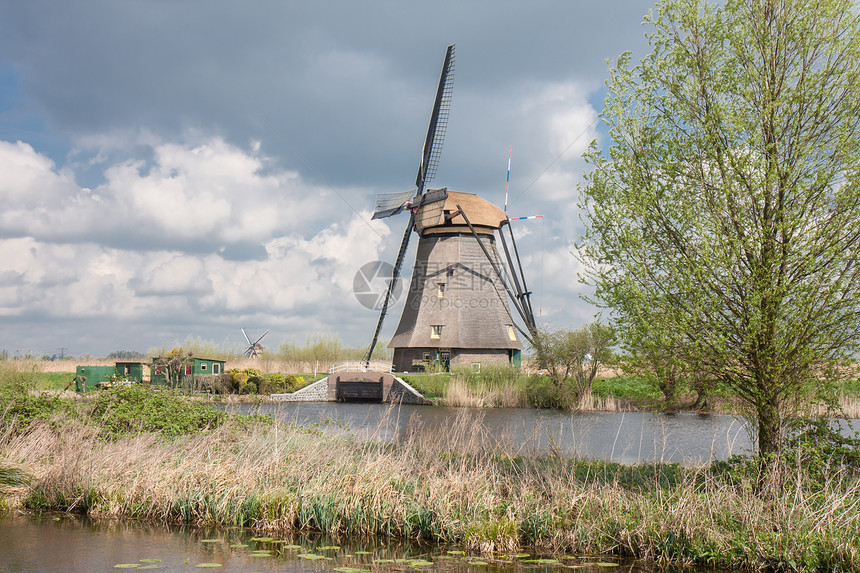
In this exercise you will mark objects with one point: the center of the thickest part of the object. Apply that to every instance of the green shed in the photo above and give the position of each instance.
(191, 368)
(89, 378)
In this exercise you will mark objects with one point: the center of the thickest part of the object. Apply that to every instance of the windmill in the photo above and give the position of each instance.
(254, 348)
(457, 308)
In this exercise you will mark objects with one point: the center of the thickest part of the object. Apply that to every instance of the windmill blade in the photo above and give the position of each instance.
(246, 336)
(426, 170)
(388, 204)
(261, 338)
(438, 123)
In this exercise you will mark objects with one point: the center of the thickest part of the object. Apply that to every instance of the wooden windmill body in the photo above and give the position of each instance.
(456, 310)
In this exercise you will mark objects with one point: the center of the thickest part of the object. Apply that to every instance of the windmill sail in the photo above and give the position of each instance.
(388, 204)
(438, 123)
(426, 171)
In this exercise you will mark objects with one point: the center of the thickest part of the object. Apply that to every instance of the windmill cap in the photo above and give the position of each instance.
(443, 217)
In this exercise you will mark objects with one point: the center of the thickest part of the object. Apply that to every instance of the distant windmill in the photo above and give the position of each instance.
(254, 348)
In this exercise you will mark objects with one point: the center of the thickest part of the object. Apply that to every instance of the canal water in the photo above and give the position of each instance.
(628, 437)
(68, 544)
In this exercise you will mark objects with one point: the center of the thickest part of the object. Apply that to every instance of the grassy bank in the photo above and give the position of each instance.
(160, 458)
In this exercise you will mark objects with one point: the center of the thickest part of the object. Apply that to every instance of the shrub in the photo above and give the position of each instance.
(542, 392)
(139, 408)
(18, 406)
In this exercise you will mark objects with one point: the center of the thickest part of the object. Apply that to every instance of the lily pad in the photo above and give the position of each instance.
(152, 566)
(456, 552)
(262, 539)
(210, 541)
(478, 563)
(420, 563)
(208, 565)
(150, 560)
(310, 556)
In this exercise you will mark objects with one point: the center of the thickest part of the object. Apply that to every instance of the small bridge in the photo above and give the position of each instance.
(354, 381)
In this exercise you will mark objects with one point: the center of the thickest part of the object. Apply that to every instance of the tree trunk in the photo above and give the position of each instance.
(769, 426)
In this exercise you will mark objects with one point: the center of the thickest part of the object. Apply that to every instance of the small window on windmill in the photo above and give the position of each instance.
(436, 331)
(511, 334)
(450, 272)
(440, 290)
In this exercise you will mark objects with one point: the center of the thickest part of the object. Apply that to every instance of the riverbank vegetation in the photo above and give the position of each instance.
(146, 454)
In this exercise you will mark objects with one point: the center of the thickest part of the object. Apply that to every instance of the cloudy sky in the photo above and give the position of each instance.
(174, 169)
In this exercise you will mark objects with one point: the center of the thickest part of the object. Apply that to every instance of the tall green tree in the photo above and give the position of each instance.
(723, 219)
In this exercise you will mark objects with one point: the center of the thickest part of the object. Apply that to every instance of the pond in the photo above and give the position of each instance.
(69, 544)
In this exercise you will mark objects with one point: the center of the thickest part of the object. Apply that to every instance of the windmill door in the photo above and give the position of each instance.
(445, 359)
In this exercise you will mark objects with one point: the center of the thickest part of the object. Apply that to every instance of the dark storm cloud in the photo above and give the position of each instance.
(348, 84)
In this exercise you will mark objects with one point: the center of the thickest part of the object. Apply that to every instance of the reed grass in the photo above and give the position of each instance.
(462, 486)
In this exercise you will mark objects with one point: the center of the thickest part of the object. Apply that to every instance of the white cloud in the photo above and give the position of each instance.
(209, 192)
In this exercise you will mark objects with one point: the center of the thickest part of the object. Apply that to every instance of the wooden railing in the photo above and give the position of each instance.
(360, 366)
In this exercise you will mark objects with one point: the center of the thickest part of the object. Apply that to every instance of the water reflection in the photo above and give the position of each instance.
(628, 437)
(32, 543)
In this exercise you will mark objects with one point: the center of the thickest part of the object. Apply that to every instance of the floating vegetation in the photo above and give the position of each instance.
(310, 556)
(210, 541)
(208, 565)
(262, 539)
(478, 563)
(150, 560)
(420, 563)
(238, 545)
(126, 566)
(456, 552)
(328, 548)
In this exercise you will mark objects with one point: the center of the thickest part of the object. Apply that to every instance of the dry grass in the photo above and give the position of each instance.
(460, 393)
(463, 486)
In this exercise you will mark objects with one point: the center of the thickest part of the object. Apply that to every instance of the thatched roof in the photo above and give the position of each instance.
(481, 213)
